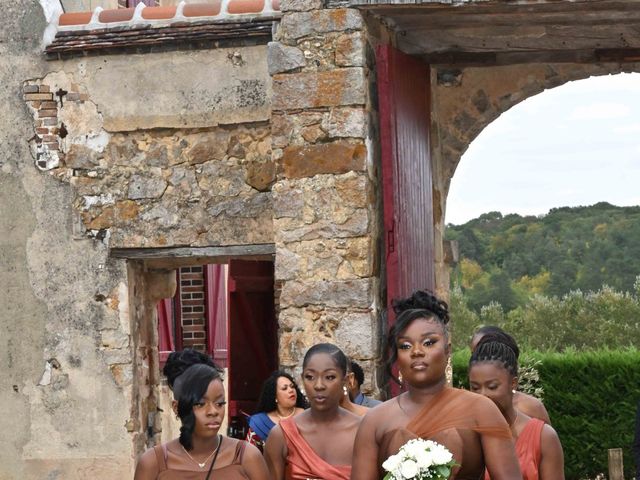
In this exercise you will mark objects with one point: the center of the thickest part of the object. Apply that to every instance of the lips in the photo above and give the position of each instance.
(212, 426)
(320, 399)
(419, 366)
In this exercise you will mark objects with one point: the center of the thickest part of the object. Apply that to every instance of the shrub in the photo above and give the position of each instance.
(591, 398)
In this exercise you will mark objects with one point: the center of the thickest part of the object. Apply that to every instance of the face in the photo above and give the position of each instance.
(352, 386)
(493, 381)
(209, 411)
(475, 340)
(286, 393)
(323, 382)
(422, 352)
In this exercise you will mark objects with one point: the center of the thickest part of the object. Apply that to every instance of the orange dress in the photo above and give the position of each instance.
(303, 463)
(528, 449)
(452, 418)
(173, 467)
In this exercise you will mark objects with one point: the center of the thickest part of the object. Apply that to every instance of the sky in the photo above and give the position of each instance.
(577, 144)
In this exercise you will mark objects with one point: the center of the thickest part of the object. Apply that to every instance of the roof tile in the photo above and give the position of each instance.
(76, 18)
(117, 15)
(159, 13)
(202, 9)
(245, 6)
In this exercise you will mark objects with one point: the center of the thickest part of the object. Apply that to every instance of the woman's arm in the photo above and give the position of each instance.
(552, 458)
(275, 453)
(500, 458)
(253, 463)
(147, 468)
(365, 450)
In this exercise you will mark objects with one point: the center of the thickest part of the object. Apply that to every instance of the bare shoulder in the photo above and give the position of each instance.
(531, 406)
(147, 467)
(549, 434)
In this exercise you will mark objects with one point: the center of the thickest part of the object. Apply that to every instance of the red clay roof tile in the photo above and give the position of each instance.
(202, 9)
(117, 15)
(159, 13)
(245, 6)
(76, 18)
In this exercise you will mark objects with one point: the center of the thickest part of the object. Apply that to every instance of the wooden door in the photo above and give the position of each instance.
(253, 347)
(404, 103)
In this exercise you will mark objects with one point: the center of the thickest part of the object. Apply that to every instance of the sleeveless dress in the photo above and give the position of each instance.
(528, 449)
(259, 427)
(233, 471)
(453, 418)
(305, 464)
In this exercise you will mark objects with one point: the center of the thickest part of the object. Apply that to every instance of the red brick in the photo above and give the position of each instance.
(49, 104)
(44, 88)
(42, 131)
(49, 138)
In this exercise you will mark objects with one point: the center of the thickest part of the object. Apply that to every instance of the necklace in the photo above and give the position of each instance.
(293, 410)
(511, 425)
(215, 451)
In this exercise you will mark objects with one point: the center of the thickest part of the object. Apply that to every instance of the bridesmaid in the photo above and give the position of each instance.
(318, 443)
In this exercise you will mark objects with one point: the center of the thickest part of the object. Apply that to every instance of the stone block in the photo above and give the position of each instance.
(356, 225)
(346, 123)
(334, 158)
(142, 186)
(350, 50)
(282, 58)
(300, 5)
(333, 88)
(318, 22)
(261, 175)
(288, 203)
(81, 157)
(330, 293)
(356, 334)
(212, 147)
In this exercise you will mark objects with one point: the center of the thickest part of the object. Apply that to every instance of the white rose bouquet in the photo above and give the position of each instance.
(419, 460)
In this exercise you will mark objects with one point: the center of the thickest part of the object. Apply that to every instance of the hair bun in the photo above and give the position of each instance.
(423, 300)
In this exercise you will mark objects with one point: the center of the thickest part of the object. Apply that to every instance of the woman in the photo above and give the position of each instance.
(470, 426)
(493, 372)
(280, 399)
(201, 453)
(318, 443)
(523, 402)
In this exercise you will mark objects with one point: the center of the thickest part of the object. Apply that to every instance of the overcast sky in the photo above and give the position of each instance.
(577, 144)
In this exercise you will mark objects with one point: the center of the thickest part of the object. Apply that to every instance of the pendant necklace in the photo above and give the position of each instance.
(215, 452)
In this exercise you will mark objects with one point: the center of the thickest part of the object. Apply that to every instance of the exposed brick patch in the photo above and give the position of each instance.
(192, 300)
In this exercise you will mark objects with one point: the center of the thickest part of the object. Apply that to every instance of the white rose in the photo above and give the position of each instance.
(424, 458)
(441, 455)
(409, 469)
(392, 463)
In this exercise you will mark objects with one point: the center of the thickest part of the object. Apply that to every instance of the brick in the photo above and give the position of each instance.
(49, 122)
(186, 322)
(52, 146)
(340, 87)
(49, 138)
(186, 335)
(72, 97)
(191, 289)
(44, 88)
(49, 105)
(199, 321)
(47, 113)
(42, 131)
(38, 96)
(334, 158)
(30, 89)
(199, 335)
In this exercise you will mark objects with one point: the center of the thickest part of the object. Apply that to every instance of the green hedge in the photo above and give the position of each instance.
(591, 398)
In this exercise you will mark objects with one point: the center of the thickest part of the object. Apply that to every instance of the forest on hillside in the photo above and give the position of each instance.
(508, 259)
(568, 279)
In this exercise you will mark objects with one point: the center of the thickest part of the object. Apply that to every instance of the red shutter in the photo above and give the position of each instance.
(403, 88)
(404, 102)
(166, 343)
(215, 278)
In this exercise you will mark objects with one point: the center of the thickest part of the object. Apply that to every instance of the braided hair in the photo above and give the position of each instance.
(421, 304)
(499, 335)
(492, 349)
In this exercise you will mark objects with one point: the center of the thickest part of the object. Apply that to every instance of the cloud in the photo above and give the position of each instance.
(600, 111)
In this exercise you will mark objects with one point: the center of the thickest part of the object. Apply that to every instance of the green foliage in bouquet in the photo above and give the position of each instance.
(591, 398)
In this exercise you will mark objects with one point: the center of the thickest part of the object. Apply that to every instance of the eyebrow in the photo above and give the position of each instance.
(426, 334)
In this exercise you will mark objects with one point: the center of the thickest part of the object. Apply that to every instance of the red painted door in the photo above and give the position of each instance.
(253, 347)
(404, 102)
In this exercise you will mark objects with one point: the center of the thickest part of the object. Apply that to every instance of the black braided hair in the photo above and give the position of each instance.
(492, 349)
(421, 304)
(499, 335)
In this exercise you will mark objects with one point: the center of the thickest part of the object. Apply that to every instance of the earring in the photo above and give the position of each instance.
(344, 389)
(276, 400)
(400, 377)
(513, 391)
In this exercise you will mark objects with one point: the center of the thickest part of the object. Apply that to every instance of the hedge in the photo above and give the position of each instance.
(591, 398)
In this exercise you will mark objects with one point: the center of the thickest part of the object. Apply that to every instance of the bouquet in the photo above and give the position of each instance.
(420, 460)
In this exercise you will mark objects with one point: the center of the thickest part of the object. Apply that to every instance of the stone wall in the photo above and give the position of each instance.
(155, 150)
(326, 220)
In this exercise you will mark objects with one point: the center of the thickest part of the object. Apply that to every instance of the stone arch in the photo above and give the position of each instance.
(466, 101)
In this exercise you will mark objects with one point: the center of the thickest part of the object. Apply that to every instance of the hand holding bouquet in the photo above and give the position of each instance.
(420, 460)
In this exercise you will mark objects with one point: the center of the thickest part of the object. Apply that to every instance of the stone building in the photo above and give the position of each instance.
(312, 140)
